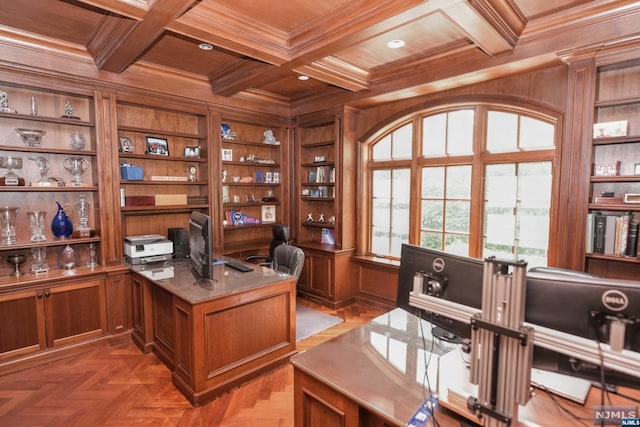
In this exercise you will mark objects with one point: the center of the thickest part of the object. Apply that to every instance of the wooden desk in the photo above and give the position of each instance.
(214, 336)
(374, 376)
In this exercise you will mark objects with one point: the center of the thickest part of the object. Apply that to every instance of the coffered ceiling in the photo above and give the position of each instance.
(264, 46)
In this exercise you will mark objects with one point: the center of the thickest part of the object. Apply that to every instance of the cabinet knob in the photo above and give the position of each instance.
(39, 295)
(47, 294)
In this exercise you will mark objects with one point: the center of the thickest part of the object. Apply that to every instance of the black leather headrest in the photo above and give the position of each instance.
(281, 232)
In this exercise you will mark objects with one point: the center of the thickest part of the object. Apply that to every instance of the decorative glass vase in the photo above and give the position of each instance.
(8, 225)
(61, 225)
(93, 256)
(36, 221)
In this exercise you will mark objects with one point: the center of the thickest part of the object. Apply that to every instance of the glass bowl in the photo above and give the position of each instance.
(31, 137)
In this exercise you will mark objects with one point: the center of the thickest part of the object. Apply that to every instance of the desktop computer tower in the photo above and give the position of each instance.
(180, 239)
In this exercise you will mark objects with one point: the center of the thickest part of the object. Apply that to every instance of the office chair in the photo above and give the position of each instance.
(280, 237)
(288, 259)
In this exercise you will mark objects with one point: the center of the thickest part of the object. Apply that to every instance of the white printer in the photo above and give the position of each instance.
(147, 248)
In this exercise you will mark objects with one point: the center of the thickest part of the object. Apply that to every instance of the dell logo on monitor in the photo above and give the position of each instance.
(615, 300)
(438, 265)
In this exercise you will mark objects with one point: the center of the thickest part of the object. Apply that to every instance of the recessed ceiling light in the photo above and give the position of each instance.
(205, 46)
(303, 77)
(395, 44)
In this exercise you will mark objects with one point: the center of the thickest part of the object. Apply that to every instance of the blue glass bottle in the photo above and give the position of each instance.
(61, 225)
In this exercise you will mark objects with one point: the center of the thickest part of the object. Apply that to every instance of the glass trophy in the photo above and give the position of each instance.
(83, 209)
(43, 167)
(39, 256)
(76, 166)
(10, 163)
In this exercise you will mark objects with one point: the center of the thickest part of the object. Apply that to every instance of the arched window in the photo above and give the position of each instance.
(471, 179)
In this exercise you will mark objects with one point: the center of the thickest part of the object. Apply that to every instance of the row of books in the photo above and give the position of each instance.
(612, 234)
(321, 174)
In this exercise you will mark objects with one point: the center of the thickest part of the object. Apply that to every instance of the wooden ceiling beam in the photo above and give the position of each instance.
(337, 72)
(120, 41)
(244, 74)
(135, 9)
(486, 34)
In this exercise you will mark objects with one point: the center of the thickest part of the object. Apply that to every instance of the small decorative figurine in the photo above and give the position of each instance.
(4, 102)
(309, 218)
(269, 138)
(68, 111)
(43, 165)
(227, 133)
(321, 219)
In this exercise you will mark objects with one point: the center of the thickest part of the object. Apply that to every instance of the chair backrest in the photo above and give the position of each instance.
(280, 237)
(288, 259)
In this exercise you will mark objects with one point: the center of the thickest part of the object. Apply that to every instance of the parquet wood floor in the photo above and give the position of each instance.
(120, 386)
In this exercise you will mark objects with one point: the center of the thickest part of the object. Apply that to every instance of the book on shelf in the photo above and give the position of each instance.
(611, 234)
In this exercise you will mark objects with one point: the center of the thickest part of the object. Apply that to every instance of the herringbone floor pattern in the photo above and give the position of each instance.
(120, 386)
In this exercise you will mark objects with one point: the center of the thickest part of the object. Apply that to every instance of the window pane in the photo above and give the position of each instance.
(382, 149)
(457, 244)
(460, 127)
(432, 217)
(433, 182)
(431, 240)
(458, 182)
(502, 131)
(501, 185)
(457, 216)
(536, 133)
(434, 135)
(402, 142)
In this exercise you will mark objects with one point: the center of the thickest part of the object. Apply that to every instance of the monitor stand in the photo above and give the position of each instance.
(444, 335)
(206, 283)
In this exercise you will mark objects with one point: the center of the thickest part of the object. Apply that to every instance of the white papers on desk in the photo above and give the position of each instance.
(158, 273)
(569, 387)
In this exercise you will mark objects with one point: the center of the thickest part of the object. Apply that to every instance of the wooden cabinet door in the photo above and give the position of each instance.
(22, 328)
(141, 300)
(75, 312)
(317, 273)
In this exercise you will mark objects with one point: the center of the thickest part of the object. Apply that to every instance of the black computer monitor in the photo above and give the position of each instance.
(584, 306)
(460, 280)
(567, 301)
(200, 244)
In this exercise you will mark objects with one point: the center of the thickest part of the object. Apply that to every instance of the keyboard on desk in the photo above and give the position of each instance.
(237, 265)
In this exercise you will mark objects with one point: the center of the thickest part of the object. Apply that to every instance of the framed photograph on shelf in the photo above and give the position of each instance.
(268, 213)
(227, 155)
(126, 146)
(157, 146)
(192, 152)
